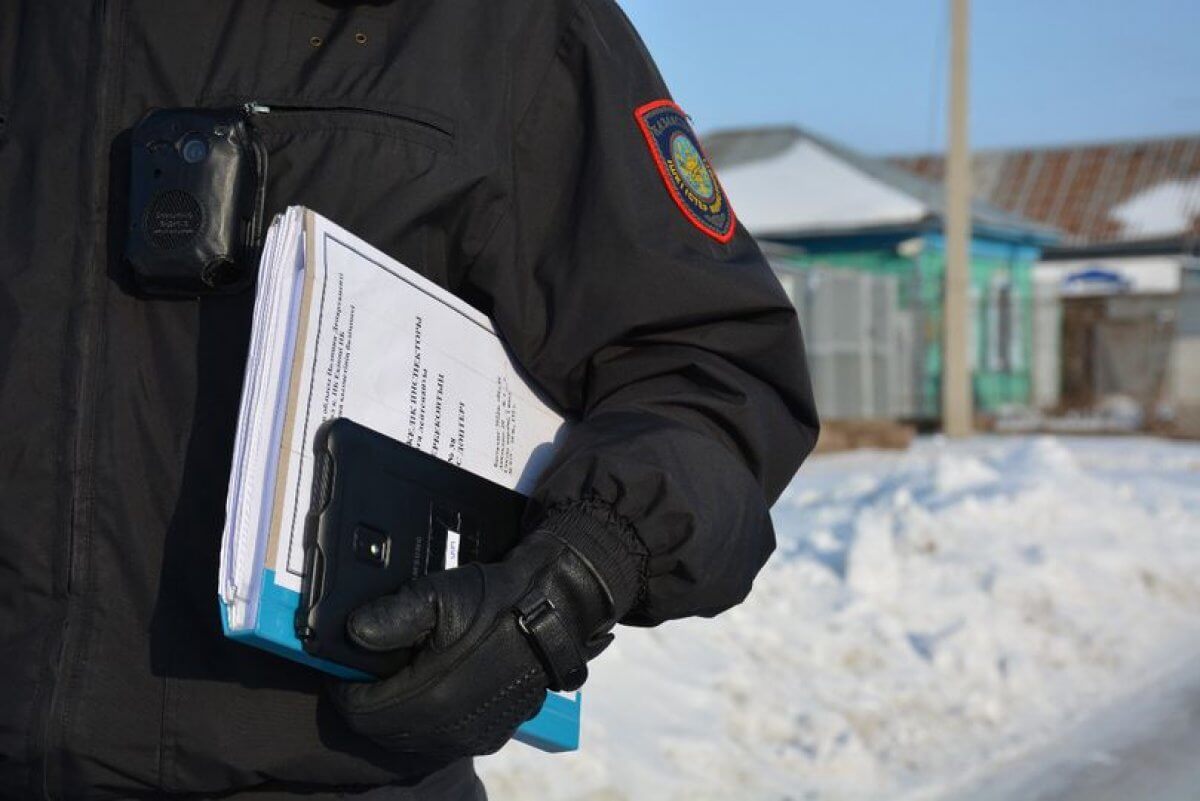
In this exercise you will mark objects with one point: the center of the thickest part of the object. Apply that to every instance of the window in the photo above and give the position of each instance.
(1002, 339)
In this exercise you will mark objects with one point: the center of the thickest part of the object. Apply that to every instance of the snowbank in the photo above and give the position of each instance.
(926, 613)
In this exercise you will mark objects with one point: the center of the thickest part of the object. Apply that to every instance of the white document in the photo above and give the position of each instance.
(342, 330)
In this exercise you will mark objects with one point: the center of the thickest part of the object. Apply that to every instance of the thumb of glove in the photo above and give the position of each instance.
(402, 620)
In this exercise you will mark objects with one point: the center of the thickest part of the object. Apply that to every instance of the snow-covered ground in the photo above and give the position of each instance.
(928, 615)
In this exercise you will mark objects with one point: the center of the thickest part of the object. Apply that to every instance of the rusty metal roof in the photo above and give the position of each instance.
(1093, 193)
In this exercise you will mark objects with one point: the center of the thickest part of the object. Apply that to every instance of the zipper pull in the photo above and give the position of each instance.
(254, 107)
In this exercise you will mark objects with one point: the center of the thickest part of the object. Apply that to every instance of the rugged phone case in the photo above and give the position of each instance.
(384, 513)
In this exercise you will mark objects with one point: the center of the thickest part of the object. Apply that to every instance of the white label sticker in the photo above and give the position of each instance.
(452, 540)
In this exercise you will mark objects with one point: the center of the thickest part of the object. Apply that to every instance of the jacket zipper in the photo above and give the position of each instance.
(254, 107)
(54, 729)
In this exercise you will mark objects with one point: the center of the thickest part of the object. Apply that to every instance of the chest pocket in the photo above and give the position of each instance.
(383, 172)
(364, 125)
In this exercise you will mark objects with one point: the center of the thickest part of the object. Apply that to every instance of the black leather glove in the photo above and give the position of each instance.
(488, 640)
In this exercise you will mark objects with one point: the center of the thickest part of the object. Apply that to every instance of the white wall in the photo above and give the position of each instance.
(1153, 275)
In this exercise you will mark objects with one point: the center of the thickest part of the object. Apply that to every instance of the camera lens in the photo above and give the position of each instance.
(371, 546)
(193, 148)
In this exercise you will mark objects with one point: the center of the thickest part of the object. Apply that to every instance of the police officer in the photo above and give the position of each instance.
(524, 154)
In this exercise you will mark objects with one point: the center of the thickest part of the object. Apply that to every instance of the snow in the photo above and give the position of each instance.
(927, 615)
(808, 188)
(1142, 747)
(1162, 210)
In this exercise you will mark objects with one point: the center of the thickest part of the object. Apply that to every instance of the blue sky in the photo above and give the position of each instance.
(1043, 71)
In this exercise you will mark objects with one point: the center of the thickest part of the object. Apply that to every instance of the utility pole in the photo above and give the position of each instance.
(956, 330)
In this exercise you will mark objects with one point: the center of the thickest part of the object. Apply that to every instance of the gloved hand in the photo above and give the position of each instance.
(488, 640)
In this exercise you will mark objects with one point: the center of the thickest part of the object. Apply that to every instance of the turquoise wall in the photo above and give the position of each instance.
(1001, 375)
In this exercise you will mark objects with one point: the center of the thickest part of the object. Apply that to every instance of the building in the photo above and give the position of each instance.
(1126, 271)
(825, 208)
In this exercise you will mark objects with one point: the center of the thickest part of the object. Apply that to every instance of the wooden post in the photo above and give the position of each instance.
(956, 329)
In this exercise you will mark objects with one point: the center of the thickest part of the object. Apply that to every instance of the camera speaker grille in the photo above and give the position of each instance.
(173, 219)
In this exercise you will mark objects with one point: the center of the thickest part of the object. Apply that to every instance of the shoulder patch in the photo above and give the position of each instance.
(690, 179)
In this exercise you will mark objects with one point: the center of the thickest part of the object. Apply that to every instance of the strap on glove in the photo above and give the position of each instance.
(489, 640)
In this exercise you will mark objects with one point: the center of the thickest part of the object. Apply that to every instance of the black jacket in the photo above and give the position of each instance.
(495, 145)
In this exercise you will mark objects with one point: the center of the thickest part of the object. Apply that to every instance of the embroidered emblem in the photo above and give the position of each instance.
(689, 177)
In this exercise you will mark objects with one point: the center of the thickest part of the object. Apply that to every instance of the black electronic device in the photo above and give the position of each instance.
(197, 182)
(384, 513)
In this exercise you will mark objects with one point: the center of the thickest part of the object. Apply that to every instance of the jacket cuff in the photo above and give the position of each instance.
(607, 542)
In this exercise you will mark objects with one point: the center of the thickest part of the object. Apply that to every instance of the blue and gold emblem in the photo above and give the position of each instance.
(689, 177)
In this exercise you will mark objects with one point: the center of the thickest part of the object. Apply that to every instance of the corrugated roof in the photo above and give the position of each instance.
(1094, 193)
(786, 180)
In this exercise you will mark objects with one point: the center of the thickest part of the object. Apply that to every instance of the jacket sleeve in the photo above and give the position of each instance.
(680, 355)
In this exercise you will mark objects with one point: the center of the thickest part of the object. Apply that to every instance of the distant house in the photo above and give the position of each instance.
(1127, 269)
(826, 207)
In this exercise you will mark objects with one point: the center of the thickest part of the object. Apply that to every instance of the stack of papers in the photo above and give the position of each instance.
(340, 329)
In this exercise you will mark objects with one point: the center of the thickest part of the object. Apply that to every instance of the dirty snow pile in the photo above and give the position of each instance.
(927, 613)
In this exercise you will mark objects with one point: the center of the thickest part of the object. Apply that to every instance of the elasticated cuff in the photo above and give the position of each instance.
(608, 542)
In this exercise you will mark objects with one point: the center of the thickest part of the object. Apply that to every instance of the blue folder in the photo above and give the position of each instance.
(555, 729)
